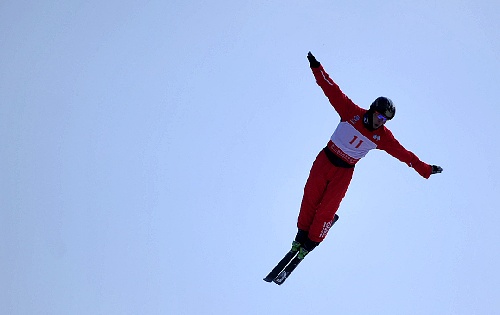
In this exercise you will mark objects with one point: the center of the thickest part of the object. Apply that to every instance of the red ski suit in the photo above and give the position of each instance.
(333, 168)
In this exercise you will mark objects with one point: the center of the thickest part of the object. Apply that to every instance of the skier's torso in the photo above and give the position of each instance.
(351, 140)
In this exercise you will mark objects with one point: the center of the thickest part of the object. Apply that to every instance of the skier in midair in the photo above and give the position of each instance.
(358, 132)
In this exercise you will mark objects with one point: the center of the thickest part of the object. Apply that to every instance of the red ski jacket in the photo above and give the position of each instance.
(351, 140)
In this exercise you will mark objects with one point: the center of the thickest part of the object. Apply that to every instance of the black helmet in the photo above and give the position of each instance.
(384, 106)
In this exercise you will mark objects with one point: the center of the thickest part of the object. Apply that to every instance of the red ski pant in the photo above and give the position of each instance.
(324, 190)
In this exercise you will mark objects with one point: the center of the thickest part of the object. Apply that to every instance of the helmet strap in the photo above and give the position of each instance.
(368, 120)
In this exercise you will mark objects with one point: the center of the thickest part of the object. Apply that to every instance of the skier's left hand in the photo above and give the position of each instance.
(312, 61)
(436, 169)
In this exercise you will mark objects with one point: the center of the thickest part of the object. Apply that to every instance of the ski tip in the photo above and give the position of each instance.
(281, 278)
(266, 279)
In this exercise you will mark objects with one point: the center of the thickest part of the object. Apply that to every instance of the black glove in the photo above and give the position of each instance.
(312, 61)
(436, 169)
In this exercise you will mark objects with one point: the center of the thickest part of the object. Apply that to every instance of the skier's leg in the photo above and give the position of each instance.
(313, 191)
(325, 214)
(301, 236)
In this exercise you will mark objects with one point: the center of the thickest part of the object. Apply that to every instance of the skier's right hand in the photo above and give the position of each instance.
(436, 169)
(312, 61)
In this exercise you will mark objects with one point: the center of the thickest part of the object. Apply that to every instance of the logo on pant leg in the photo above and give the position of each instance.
(326, 228)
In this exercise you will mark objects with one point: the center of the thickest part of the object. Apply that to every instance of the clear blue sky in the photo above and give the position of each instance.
(153, 156)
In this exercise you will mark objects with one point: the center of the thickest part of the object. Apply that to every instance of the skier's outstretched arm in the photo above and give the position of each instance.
(394, 148)
(337, 98)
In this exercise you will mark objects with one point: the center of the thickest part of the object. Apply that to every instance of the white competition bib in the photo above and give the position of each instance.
(351, 142)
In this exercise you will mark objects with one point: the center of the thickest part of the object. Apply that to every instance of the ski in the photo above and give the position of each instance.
(281, 265)
(283, 275)
(293, 258)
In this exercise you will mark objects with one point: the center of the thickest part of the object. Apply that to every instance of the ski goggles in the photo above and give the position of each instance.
(381, 117)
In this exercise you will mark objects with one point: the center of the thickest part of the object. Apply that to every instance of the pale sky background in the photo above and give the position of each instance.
(153, 156)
